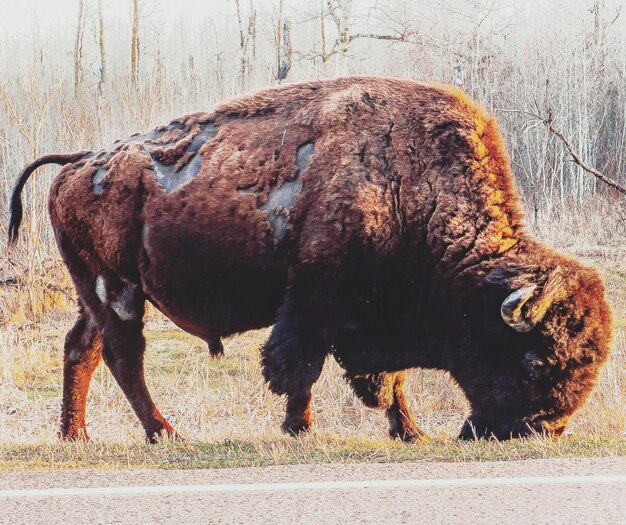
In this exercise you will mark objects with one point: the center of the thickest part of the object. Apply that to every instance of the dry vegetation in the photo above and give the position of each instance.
(230, 419)
(513, 61)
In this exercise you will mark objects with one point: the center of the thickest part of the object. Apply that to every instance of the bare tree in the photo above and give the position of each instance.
(281, 8)
(344, 36)
(245, 38)
(242, 47)
(134, 51)
(78, 45)
(283, 45)
(338, 14)
(28, 121)
(324, 54)
(102, 76)
(252, 28)
(576, 157)
(598, 25)
(549, 122)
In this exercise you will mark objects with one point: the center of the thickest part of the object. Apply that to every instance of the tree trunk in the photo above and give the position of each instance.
(344, 37)
(78, 45)
(278, 31)
(599, 51)
(242, 46)
(284, 64)
(598, 26)
(134, 53)
(252, 28)
(283, 45)
(323, 31)
(103, 75)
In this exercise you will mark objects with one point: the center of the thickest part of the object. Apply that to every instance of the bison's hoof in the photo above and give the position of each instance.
(165, 437)
(216, 348)
(404, 428)
(408, 435)
(294, 428)
(79, 434)
(164, 434)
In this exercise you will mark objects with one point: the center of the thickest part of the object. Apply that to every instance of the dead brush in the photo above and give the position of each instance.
(33, 293)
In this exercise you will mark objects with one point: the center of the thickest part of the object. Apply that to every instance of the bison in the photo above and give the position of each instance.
(372, 219)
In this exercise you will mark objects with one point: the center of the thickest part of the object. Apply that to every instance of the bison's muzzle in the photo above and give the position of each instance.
(475, 428)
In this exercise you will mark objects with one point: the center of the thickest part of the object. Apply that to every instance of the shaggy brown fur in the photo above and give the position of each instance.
(372, 218)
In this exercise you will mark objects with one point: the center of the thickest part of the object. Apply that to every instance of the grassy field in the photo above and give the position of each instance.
(314, 448)
(229, 417)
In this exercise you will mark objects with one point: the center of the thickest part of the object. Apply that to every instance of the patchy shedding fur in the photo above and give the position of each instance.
(372, 218)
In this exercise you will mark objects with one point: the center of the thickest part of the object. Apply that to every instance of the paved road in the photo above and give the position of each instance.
(539, 491)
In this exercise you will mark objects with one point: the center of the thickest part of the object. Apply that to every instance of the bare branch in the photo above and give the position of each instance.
(619, 11)
(402, 37)
(550, 125)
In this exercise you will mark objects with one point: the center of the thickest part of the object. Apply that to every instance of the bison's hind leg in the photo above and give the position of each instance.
(385, 390)
(116, 307)
(82, 354)
(120, 318)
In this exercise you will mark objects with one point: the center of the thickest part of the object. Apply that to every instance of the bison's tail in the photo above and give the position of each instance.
(16, 196)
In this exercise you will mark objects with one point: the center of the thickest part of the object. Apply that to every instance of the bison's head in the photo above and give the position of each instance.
(539, 338)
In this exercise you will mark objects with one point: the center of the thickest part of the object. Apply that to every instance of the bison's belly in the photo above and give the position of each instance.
(208, 284)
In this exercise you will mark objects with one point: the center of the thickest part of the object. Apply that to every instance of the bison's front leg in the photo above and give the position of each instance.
(83, 353)
(385, 390)
(216, 348)
(292, 361)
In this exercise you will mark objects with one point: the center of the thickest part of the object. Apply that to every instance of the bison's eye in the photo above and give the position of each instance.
(533, 365)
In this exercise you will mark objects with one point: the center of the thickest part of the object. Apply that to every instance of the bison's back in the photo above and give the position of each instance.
(210, 211)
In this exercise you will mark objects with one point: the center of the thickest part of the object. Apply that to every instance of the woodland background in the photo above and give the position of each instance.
(108, 68)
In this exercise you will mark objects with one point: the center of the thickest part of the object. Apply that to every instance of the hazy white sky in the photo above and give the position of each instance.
(21, 17)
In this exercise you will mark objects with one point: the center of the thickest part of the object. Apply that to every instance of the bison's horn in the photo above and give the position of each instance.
(511, 309)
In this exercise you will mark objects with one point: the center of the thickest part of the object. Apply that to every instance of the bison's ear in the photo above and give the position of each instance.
(530, 294)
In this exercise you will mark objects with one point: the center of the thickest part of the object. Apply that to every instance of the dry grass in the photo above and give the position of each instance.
(206, 399)
(315, 448)
(230, 418)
